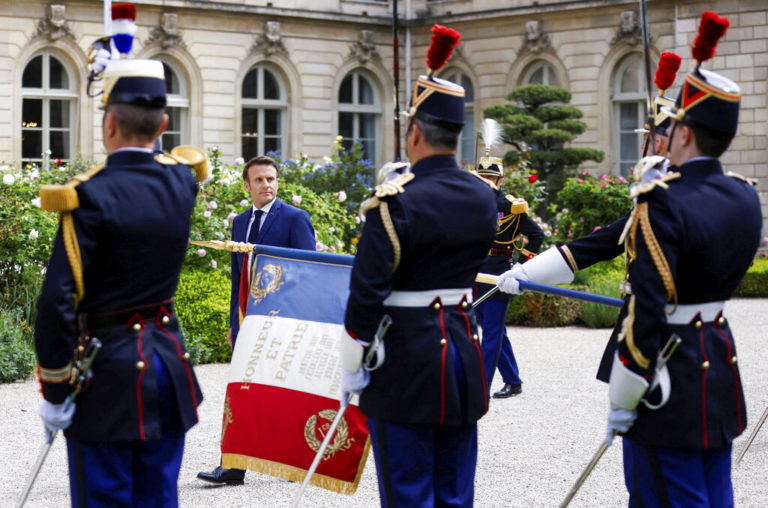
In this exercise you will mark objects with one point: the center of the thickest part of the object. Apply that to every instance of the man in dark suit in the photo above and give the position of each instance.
(268, 222)
(112, 276)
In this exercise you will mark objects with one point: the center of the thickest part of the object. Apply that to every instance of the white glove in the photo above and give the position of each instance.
(353, 383)
(619, 421)
(56, 416)
(100, 60)
(508, 281)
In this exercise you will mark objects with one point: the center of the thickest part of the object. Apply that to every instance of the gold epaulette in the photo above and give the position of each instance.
(750, 181)
(519, 205)
(63, 197)
(644, 188)
(486, 182)
(190, 156)
(389, 188)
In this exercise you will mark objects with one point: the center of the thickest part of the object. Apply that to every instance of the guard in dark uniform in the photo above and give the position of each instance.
(426, 236)
(693, 235)
(112, 275)
(608, 242)
(514, 225)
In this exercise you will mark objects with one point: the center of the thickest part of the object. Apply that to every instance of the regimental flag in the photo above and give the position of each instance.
(285, 377)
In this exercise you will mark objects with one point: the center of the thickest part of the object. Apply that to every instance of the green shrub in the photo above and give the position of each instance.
(540, 309)
(17, 359)
(202, 304)
(596, 315)
(755, 281)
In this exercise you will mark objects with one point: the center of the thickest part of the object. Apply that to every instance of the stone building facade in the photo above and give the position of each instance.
(251, 76)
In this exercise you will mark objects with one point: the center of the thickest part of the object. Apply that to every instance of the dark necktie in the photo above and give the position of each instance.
(255, 226)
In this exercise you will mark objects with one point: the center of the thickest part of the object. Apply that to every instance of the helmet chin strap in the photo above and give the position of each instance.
(669, 142)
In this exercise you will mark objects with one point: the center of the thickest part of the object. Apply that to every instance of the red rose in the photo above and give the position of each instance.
(58, 162)
(532, 179)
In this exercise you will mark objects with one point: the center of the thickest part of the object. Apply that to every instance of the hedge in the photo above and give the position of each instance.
(202, 304)
(17, 358)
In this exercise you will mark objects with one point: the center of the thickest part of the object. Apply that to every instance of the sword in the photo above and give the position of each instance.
(487, 278)
(82, 376)
(666, 352)
(321, 450)
(752, 436)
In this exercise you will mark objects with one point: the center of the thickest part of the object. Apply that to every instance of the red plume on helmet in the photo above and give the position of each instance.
(123, 11)
(444, 40)
(666, 72)
(711, 28)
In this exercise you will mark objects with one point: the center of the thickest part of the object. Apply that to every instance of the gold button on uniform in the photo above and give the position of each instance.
(140, 365)
(705, 365)
(698, 324)
(443, 342)
(137, 327)
(475, 337)
(436, 306)
(734, 360)
(464, 305)
(721, 321)
(166, 320)
(186, 356)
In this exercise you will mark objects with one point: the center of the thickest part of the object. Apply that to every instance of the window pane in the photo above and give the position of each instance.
(271, 87)
(59, 113)
(31, 144)
(250, 148)
(628, 116)
(59, 144)
(369, 149)
(345, 92)
(271, 144)
(250, 122)
(367, 125)
(171, 80)
(33, 73)
(469, 90)
(58, 74)
(346, 125)
(365, 91)
(32, 113)
(630, 147)
(630, 80)
(250, 90)
(169, 140)
(174, 119)
(537, 78)
(271, 122)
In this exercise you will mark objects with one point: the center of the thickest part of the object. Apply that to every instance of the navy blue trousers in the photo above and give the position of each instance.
(424, 465)
(497, 349)
(131, 474)
(657, 476)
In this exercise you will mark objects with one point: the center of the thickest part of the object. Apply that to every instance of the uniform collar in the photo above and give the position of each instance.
(130, 156)
(435, 162)
(701, 166)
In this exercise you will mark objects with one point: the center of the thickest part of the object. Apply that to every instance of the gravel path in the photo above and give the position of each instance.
(532, 447)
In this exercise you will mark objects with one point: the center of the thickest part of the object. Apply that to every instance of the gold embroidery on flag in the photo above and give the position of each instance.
(341, 441)
(267, 281)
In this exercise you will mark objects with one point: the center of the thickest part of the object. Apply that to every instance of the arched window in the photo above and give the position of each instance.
(177, 91)
(264, 107)
(466, 151)
(540, 73)
(628, 96)
(359, 114)
(48, 110)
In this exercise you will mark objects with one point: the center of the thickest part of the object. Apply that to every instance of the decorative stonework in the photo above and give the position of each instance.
(54, 25)
(166, 33)
(535, 39)
(269, 42)
(364, 49)
(629, 30)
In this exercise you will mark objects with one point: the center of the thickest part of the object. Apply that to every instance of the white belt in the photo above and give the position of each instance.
(424, 298)
(685, 313)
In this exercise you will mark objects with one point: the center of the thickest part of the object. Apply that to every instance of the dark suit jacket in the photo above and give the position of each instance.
(284, 226)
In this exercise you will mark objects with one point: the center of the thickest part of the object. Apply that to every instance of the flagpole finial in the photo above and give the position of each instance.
(227, 245)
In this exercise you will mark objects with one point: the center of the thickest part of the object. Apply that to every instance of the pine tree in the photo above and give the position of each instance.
(541, 122)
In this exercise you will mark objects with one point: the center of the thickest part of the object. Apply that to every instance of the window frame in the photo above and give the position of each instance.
(179, 101)
(548, 76)
(460, 77)
(47, 94)
(357, 109)
(620, 97)
(260, 104)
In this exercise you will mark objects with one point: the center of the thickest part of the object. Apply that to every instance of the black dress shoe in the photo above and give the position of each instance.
(223, 476)
(508, 391)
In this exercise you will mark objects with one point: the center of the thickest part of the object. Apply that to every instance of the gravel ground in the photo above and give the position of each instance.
(532, 447)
